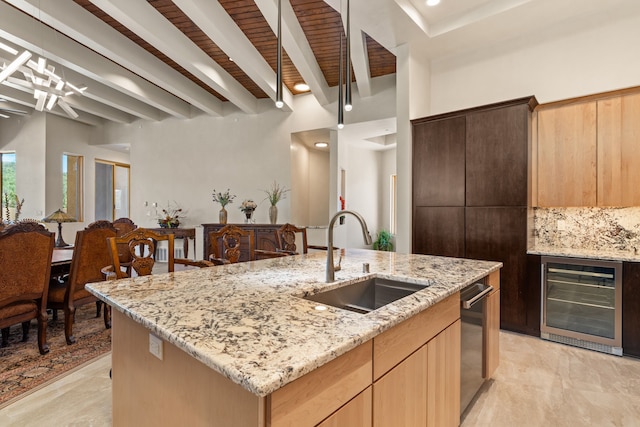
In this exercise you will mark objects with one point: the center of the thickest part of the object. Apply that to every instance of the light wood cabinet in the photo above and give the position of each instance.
(400, 396)
(423, 389)
(567, 155)
(618, 153)
(356, 413)
(587, 152)
(409, 375)
(311, 398)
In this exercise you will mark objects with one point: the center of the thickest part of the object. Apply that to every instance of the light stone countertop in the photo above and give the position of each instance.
(587, 253)
(247, 320)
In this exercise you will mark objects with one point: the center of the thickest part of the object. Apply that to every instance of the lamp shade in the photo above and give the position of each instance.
(59, 216)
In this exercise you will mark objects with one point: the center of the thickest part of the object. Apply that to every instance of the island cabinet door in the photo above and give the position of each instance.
(356, 413)
(399, 397)
(424, 389)
(309, 400)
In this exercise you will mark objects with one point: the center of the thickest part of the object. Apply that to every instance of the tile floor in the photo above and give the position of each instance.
(538, 383)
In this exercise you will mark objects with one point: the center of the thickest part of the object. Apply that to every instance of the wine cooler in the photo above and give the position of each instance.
(581, 303)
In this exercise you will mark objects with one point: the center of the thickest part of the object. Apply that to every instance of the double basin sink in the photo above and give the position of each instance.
(367, 295)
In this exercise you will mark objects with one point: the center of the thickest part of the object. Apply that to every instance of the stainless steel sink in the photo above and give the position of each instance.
(366, 296)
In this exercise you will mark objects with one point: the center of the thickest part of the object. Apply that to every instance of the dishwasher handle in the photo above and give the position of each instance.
(467, 304)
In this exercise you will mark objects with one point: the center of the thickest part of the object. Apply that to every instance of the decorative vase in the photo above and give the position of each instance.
(174, 224)
(273, 214)
(248, 213)
(222, 216)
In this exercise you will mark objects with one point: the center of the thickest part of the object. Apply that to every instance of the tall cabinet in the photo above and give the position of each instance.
(470, 193)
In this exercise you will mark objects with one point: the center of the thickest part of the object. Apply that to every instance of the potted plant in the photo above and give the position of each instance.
(224, 199)
(383, 242)
(171, 215)
(274, 195)
(248, 206)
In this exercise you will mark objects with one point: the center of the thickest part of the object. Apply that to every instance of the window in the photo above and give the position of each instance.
(7, 182)
(392, 203)
(112, 190)
(72, 185)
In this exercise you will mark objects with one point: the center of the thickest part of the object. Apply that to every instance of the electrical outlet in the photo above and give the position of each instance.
(561, 225)
(155, 346)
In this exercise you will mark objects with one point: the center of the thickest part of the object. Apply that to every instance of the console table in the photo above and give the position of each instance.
(180, 233)
(265, 237)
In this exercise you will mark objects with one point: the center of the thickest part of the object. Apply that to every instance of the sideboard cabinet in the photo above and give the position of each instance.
(265, 238)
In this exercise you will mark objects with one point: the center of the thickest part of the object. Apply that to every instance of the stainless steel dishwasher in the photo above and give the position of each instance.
(472, 316)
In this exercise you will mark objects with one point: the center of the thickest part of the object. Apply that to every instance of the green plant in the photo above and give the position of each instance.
(223, 198)
(275, 193)
(383, 242)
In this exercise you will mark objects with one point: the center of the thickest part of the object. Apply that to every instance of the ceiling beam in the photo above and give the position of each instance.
(82, 26)
(297, 47)
(216, 23)
(144, 20)
(27, 32)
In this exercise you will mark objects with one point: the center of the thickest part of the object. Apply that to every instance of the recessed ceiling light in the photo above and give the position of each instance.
(320, 307)
(321, 144)
(301, 87)
(432, 2)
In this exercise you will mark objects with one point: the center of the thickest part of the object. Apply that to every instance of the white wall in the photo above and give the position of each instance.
(299, 182)
(554, 65)
(26, 136)
(386, 169)
(184, 160)
(39, 141)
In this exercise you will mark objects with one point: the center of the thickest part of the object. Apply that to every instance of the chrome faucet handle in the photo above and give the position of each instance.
(337, 267)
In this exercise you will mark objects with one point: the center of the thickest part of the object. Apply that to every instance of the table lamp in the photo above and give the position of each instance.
(59, 216)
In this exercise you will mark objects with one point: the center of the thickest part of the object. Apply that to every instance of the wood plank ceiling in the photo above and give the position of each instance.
(320, 23)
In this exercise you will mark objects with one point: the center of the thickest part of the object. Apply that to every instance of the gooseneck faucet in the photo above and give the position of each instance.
(330, 275)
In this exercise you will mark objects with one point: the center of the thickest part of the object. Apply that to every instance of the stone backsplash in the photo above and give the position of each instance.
(610, 228)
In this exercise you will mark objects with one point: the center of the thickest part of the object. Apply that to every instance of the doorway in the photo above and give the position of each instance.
(112, 190)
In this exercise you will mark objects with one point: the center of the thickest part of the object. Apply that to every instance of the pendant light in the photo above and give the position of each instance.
(340, 100)
(279, 102)
(347, 95)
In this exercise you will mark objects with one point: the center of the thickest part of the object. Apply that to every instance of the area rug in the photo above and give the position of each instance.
(24, 369)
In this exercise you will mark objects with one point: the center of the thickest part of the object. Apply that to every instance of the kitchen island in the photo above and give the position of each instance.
(240, 346)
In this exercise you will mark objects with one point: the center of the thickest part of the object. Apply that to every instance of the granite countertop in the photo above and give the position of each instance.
(599, 254)
(248, 322)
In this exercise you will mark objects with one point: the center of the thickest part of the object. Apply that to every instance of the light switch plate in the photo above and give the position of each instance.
(155, 346)
(561, 225)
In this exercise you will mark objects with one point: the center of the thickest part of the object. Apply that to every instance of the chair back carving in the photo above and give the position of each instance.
(226, 244)
(286, 238)
(25, 266)
(123, 226)
(140, 245)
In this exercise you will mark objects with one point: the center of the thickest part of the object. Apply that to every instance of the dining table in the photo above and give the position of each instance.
(61, 262)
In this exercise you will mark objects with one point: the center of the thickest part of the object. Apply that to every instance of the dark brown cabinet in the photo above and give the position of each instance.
(631, 308)
(439, 231)
(470, 193)
(497, 151)
(441, 156)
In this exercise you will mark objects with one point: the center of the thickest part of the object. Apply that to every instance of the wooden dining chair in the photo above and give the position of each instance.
(289, 236)
(25, 266)
(90, 254)
(140, 245)
(124, 226)
(225, 245)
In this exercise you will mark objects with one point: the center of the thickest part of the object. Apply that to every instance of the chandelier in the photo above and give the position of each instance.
(36, 76)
